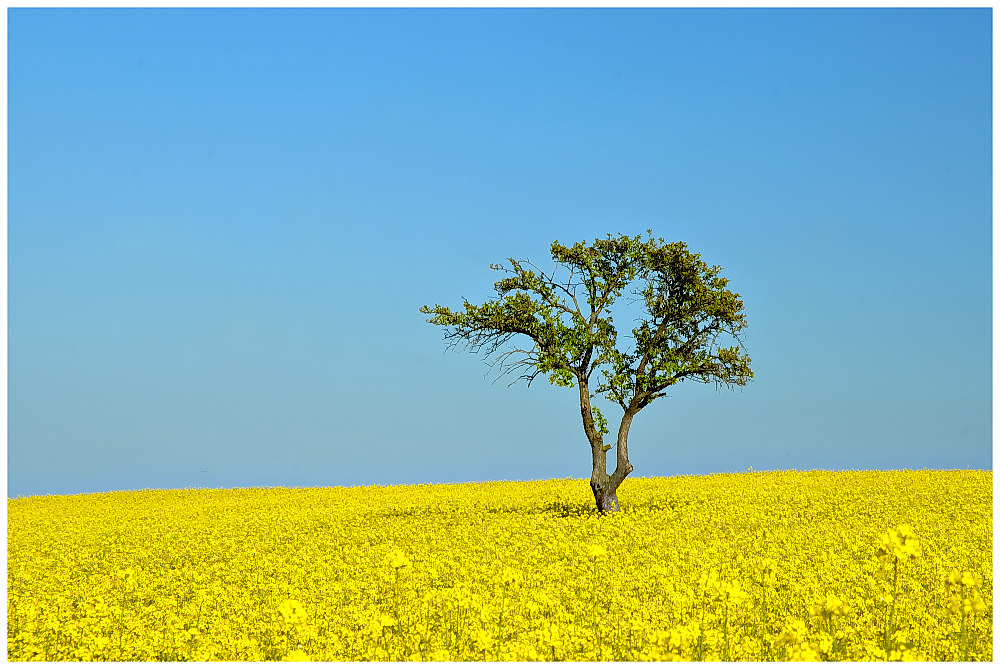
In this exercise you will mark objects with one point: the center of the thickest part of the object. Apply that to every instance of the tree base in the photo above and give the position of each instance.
(605, 497)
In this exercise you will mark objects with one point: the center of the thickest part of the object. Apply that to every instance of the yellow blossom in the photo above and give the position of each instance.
(297, 655)
(292, 612)
(769, 567)
(398, 559)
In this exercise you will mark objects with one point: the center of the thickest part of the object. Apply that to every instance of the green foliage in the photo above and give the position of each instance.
(688, 311)
(600, 421)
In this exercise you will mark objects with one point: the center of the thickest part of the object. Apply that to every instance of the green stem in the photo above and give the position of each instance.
(121, 624)
(763, 619)
(701, 631)
(965, 639)
(503, 601)
(725, 632)
(593, 611)
(399, 622)
(892, 612)
(397, 599)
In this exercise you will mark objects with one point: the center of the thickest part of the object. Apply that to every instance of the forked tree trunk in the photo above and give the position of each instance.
(605, 487)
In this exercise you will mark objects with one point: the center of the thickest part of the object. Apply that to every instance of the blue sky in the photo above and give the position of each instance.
(222, 224)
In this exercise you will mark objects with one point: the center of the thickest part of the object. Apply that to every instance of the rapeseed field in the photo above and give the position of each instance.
(754, 566)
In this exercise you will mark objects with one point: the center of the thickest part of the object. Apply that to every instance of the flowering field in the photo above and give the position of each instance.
(755, 566)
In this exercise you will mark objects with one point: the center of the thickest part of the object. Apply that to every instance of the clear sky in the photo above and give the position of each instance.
(222, 224)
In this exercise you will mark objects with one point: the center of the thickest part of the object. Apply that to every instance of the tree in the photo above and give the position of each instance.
(689, 314)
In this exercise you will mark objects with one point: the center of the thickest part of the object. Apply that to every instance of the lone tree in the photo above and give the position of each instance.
(688, 315)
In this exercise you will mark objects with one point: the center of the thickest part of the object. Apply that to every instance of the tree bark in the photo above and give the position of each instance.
(605, 496)
(622, 466)
(605, 493)
(605, 487)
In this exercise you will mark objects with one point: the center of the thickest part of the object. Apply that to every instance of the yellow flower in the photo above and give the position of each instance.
(769, 572)
(551, 636)
(483, 640)
(128, 576)
(969, 599)
(510, 576)
(596, 551)
(297, 655)
(292, 611)
(900, 544)
(834, 606)
(213, 569)
(735, 594)
(398, 559)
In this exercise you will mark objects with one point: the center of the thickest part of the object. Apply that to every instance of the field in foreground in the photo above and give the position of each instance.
(756, 566)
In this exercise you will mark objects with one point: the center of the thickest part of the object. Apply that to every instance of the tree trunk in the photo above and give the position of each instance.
(605, 487)
(605, 493)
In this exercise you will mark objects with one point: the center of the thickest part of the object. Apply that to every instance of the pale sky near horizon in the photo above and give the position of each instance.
(222, 224)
